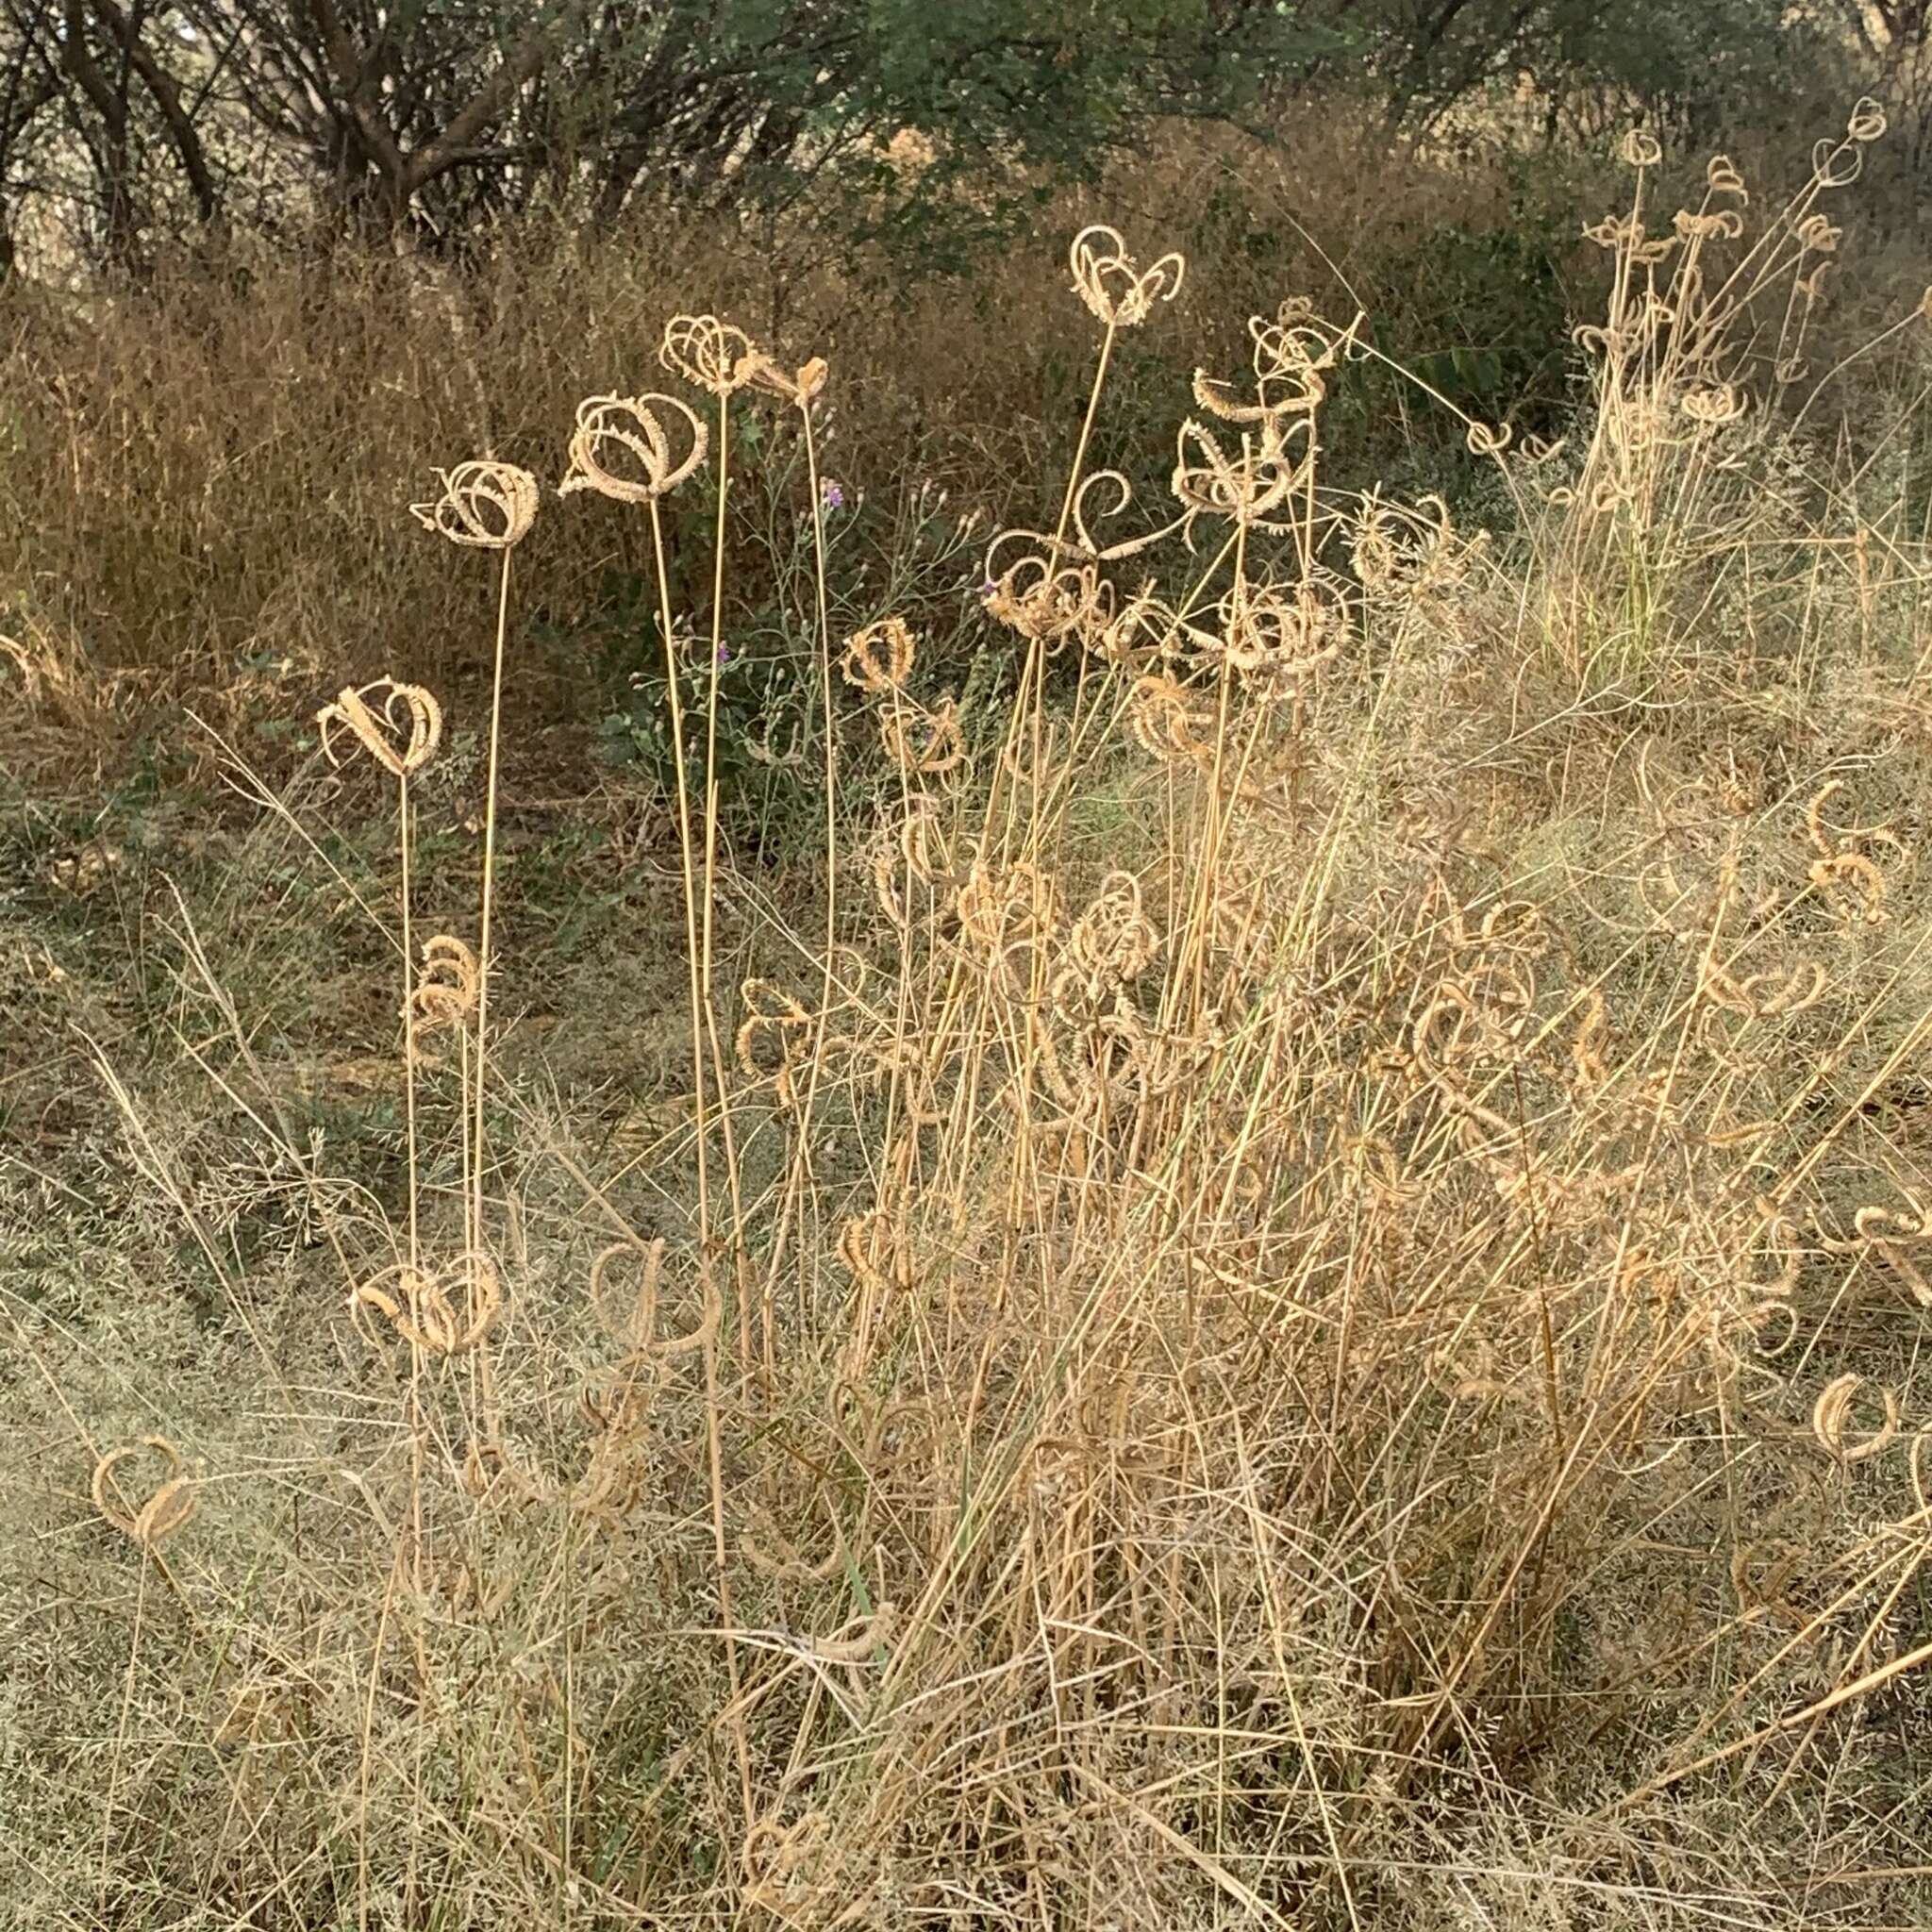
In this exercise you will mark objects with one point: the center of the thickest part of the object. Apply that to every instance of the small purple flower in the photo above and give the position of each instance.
(987, 591)
(831, 495)
(724, 654)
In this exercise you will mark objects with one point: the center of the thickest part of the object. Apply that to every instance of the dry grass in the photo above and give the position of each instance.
(1296, 1299)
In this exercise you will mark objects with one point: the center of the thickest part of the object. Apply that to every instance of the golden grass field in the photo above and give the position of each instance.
(1223, 1222)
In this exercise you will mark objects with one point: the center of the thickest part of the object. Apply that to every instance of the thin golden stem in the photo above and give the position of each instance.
(485, 956)
(410, 1028)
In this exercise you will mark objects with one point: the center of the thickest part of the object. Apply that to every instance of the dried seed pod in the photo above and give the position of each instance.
(1167, 722)
(1586, 1050)
(1640, 149)
(1838, 164)
(784, 1873)
(1865, 903)
(446, 990)
(869, 1246)
(491, 1474)
(1888, 1234)
(774, 1024)
(704, 1331)
(1112, 944)
(1720, 225)
(1042, 601)
(1279, 637)
(857, 1641)
(1208, 482)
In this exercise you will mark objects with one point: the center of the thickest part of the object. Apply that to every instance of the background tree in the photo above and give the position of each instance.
(126, 122)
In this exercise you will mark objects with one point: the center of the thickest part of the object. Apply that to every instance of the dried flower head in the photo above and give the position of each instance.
(400, 729)
(1719, 225)
(446, 990)
(879, 657)
(484, 506)
(629, 1320)
(1278, 635)
(1208, 482)
(1838, 164)
(1640, 149)
(1831, 1413)
(775, 1029)
(1113, 286)
(421, 1308)
(1817, 233)
(1110, 946)
(801, 386)
(1867, 123)
(168, 1507)
(709, 353)
(1289, 360)
(927, 743)
(1853, 886)
(621, 448)
(1710, 408)
(1166, 721)
(1041, 601)
(1721, 178)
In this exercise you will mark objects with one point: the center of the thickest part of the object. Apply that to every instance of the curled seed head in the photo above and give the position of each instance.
(484, 506)
(1640, 149)
(1725, 223)
(166, 1509)
(1721, 178)
(926, 743)
(1832, 1411)
(800, 386)
(422, 1308)
(1837, 164)
(879, 657)
(709, 353)
(1817, 233)
(400, 729)
(1113, 286)
(1723, 403)
(629, 1320)
(622, 449)
(1867, 123)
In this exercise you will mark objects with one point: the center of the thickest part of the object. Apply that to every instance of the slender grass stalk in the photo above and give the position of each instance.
(485, 949)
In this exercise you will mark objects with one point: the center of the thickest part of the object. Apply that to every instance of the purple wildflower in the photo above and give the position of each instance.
(831, 495)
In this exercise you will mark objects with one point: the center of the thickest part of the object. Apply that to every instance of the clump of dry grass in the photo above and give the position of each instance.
(1301, 1309)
